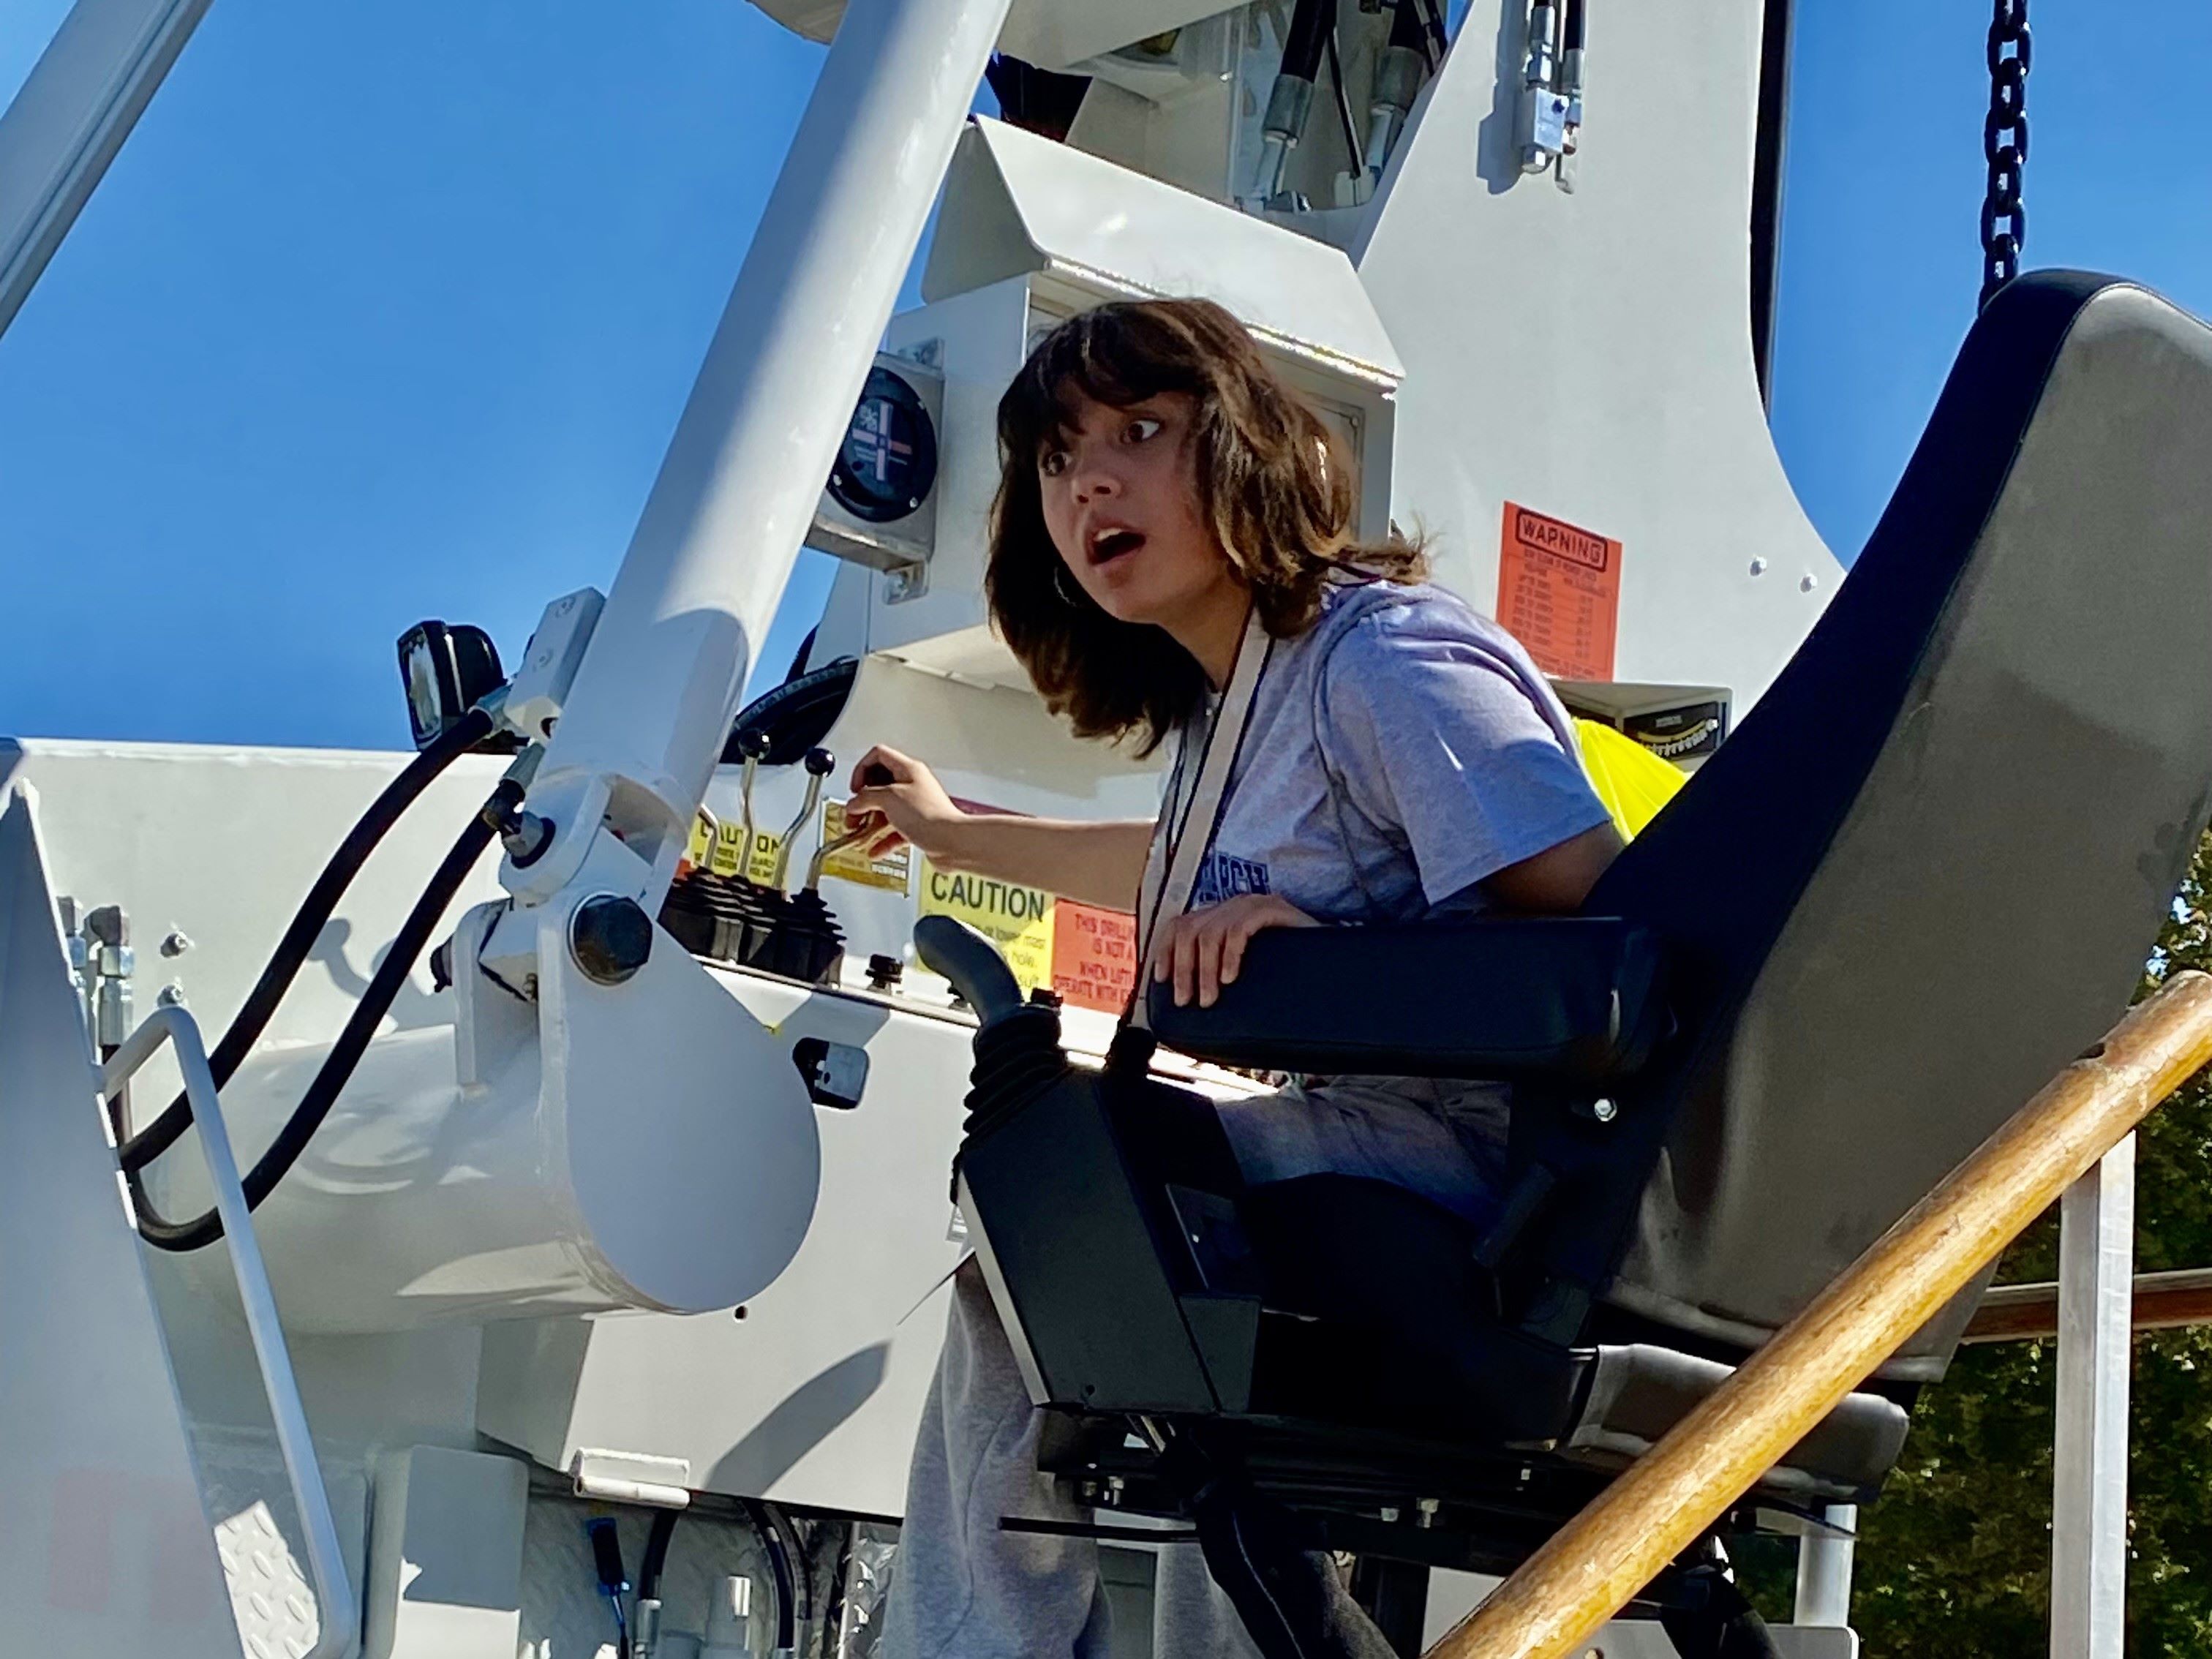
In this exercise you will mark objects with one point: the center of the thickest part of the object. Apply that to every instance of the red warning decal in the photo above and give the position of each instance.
(1558, 594)
(1094, 956)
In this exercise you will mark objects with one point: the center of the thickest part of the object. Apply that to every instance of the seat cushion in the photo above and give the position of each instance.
(1638, 1391)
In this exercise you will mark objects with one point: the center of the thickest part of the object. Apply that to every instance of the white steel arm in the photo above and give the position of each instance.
(63, 127)
(336, 1607)
(650, 706)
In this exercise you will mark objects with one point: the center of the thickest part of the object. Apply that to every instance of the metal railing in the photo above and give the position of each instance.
(337, 1608)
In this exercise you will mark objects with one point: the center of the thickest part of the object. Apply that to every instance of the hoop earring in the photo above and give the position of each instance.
(1074, 601)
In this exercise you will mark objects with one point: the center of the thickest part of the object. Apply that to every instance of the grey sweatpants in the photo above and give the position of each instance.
(965, 1590)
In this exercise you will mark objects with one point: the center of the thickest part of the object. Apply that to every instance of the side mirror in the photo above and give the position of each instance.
(446, 671)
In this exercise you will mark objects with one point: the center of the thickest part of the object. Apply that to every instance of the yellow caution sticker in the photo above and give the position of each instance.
(1017, 920)
(720, 851)
(893, 871)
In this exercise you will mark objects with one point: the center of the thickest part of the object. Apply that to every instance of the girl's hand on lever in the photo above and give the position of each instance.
(906, 803)
(1202, 950)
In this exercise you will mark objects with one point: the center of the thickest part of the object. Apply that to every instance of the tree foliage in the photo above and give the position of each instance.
(1955, 1559)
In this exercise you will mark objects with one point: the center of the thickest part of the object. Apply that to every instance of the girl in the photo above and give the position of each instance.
(1166, 505)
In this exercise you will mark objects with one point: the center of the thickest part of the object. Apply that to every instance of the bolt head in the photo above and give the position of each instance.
(171, 996)
(1604, 1111)
(176, 944)
(609, 937)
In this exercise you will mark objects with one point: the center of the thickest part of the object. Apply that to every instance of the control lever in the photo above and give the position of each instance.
(876, 773)
(753, 745)
(819, 764)
(970, 963)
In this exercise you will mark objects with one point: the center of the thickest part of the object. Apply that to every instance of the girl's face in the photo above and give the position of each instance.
(1121, 503)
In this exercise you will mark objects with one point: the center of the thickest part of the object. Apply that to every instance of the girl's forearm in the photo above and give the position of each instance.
(1092, 863)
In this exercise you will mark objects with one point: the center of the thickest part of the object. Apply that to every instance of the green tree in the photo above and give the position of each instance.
(1955, 1559)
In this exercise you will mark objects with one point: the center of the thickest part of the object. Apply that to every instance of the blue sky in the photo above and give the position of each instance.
(388, 312)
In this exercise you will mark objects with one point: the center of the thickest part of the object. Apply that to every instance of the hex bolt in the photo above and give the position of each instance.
(171, 995)
(609, 937)
(1604, 1111)
(176, 944)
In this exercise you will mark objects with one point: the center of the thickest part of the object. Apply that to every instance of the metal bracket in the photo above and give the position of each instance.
(337, 1608)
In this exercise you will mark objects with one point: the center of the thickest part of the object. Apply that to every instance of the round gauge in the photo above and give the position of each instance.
(888, 462)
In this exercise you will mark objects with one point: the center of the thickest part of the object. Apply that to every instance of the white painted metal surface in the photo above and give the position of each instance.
(445, 1578)
(334, 1596)
(1587, 355)
(651, 707)
(2089, 1511)
(648, 1145)
(69, 119)
(1823, 1569)
(114, 1553)
(1022, 203)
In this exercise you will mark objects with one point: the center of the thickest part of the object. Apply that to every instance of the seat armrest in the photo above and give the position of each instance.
(1573, 1001)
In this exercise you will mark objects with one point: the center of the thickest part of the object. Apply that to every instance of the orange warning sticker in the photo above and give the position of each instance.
(1094, 956)
(1558, 594)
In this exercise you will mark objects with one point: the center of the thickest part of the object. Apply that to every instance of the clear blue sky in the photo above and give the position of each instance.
(387, 312)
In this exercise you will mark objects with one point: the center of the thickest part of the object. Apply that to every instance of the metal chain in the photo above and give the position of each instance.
(2004, 143)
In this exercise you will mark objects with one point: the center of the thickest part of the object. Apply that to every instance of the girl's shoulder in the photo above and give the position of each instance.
(1368, 624)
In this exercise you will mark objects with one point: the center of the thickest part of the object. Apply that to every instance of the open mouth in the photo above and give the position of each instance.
(1109, 545)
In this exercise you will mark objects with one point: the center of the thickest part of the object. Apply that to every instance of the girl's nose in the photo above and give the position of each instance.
(1093, 480)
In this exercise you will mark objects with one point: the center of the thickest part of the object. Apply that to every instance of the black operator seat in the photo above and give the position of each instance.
(1926, 872)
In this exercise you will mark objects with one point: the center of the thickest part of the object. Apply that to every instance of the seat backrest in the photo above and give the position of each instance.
(1928, 869)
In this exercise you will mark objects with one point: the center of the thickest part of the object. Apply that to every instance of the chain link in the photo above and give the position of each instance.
(2004, 143)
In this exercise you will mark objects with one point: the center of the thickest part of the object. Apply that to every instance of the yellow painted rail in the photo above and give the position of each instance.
(1600, 1559)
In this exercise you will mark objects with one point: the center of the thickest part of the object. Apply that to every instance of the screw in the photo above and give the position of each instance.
(176, 944)
(1428, 1507)
(1390, 1513)
(171, 995)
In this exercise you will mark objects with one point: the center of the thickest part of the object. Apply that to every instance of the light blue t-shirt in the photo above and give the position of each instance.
(1399, 753)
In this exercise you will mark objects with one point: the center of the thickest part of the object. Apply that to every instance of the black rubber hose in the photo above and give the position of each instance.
(1311, 25)
(655, 1559)
(353, 1042)
(307, 924)
(779, 1566)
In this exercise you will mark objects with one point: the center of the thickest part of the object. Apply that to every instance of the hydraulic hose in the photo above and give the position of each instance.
(1311, 23)
(655, 1559)
(308, 923)
(353, 1041)
(779, 1564)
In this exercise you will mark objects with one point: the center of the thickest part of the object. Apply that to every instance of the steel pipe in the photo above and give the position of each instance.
(650, 710)
(1593, 1565)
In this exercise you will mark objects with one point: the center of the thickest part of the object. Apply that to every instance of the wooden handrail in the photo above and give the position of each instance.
(1592, 1566)
(2163, 1302)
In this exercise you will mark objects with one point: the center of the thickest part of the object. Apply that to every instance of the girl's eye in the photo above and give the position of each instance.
(1140, 428)
(1053, 462)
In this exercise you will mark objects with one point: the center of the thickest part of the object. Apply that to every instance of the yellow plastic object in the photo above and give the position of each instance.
(1633, 782)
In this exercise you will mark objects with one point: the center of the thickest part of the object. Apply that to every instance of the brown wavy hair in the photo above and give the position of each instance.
(1271, 480)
